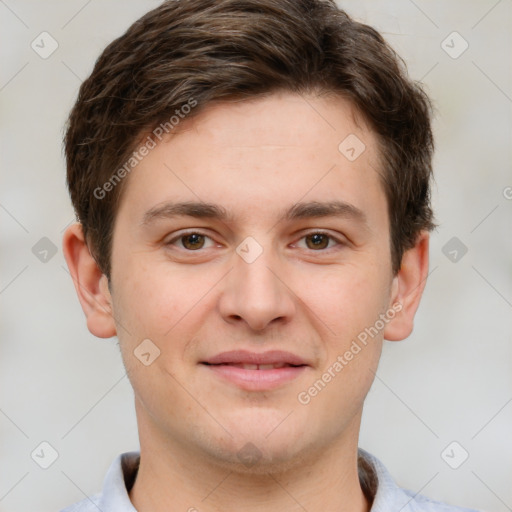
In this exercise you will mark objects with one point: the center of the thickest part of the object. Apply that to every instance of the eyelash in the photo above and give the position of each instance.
(196, 232)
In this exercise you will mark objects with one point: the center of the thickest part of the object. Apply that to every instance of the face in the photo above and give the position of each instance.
(285, 261)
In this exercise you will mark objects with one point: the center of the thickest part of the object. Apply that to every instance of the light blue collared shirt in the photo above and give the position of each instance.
(387, 497)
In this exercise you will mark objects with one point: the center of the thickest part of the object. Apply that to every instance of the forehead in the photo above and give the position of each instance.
(278, 120)
(276, 150)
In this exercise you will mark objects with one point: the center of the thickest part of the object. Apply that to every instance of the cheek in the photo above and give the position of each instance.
(151, 304)
(349, 302)
(347, 299)
(357, 343)
(151, 299)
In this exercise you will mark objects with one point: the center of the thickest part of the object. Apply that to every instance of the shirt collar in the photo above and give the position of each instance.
(375, 479)
(118, 482)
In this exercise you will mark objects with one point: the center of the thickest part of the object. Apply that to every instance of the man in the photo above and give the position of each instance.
(251, 181)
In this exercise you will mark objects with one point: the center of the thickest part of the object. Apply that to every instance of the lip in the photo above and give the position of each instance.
(221, 366)
(247, 357)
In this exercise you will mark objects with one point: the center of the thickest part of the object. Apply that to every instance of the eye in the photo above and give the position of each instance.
(195, 240)
(319, 240)
(191, 241)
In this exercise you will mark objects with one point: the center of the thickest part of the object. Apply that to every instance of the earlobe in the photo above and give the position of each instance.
(91, 284)
(407, 289)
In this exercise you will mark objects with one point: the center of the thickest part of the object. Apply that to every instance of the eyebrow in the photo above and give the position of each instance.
(200, 210)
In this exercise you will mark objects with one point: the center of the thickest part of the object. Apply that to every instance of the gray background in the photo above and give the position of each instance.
(450, 381)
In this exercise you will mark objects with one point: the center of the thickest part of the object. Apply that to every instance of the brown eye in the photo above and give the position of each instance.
(189, 241)
(317, 241)
(193, 241)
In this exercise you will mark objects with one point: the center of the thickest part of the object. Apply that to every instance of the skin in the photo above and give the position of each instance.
(255, 158)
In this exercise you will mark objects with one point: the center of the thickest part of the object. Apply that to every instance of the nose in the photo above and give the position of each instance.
(256, 292)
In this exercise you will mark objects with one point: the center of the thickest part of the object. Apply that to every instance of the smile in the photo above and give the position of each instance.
(256, 377)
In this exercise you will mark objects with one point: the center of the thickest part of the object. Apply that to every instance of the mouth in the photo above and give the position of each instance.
(256, 372)
(249, 366)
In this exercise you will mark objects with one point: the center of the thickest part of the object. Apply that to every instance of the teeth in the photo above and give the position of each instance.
(261, 366)
(249, 366)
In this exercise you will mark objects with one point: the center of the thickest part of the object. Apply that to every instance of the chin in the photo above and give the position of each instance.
(256, 459)
(255, 450)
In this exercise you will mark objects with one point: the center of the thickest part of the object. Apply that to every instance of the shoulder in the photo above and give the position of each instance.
(420, 503)
(377, 482)
(114, 496)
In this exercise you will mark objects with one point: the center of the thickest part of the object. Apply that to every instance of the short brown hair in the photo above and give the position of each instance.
(216, 50)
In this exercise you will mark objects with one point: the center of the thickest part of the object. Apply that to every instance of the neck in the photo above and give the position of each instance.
(173, 477)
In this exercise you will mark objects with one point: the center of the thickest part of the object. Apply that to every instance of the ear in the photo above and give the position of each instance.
(90, 283)
(407, 289)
